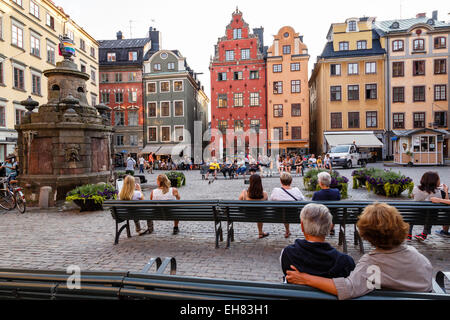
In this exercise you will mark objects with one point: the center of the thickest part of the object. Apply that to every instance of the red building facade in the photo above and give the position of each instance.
(238, 79)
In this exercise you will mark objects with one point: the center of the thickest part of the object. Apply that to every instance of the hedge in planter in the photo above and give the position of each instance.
(90, 197)
(384, 182)
(311, 183)
(176, 178)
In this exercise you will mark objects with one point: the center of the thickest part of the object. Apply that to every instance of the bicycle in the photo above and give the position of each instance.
(11, 196)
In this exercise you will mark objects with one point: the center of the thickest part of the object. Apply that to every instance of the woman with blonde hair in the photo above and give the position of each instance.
(165, 192)
(393, 265)
(132, 191)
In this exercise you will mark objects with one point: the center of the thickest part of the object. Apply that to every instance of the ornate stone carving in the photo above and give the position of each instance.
(72, 153)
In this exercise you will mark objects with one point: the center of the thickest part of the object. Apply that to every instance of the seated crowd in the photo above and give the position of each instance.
(392, 265)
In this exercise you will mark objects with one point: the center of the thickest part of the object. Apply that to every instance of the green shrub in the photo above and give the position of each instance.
(97, 192)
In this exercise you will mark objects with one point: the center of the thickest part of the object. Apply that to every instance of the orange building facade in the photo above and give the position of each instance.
(288, 93)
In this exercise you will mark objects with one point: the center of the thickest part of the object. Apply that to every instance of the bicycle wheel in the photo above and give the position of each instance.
(7, 201)
(20, 202)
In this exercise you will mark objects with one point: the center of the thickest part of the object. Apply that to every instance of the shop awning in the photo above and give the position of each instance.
(151, 148)
(171, 149)
(364, 140)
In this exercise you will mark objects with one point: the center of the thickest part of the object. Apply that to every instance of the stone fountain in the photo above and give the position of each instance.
(67, 143)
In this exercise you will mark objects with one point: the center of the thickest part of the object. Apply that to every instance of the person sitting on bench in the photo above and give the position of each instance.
(228, 167)
(313, 255)
(392, 265)
(213, 168)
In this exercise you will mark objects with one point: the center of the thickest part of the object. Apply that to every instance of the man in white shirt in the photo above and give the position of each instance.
(312, 161)
(286, 193)
(131, 163)
(141, 164)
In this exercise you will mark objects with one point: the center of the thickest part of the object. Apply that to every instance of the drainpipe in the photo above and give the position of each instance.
(387, 89)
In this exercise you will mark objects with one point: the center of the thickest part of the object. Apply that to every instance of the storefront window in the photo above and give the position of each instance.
(427, 144)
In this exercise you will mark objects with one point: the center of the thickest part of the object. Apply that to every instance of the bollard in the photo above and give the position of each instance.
(44, 197)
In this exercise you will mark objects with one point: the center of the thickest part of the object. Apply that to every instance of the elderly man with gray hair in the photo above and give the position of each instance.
(313, 255)
(326, 194)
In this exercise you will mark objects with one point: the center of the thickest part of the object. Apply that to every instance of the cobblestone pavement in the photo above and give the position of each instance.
(56, 238)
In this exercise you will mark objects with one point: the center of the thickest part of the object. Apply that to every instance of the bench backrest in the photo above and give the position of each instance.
(45, 285)
(163, 210)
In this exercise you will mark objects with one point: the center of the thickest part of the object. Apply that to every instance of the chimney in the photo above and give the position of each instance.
(421, 15)
(435, 15)
(119, 35)
(155, 38)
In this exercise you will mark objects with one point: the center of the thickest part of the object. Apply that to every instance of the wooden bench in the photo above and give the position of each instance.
(105, 285)
(124, 211)
(344, 213)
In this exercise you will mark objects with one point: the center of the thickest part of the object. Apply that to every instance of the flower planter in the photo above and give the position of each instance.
(88, 205)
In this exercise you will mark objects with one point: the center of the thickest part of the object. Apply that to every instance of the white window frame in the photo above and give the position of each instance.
(111, 54)
(71, 35)
(18, 108)
(34, 9)
(338, 66)
(253, 98)
(356, 26)
(156, 134)
(245, 56)
(93, 74)
(156, 109)
(35, 43)
(170, 134)
(156, 87)
(370, 63)
(39, 75)
(171, 66)
(17, 66)
(182, 85)
(160, 87)
(20, 27)
(132, 54)
(51, 45)
(2, 71)
(228, 57)
(1, 26)
(361, 42)
(132, 94)
(160, 109)
(174, 113)
(48, 19)
(174, 133)
(349, 68)
(157, 67)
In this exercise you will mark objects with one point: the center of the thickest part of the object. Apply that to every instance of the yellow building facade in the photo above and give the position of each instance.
(288, 92)
(417, 81)
(29, 38)
(347, 86)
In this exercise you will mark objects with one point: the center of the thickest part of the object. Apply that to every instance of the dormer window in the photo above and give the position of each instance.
(111, 56)
(237, 33)
(395, 25)
(430, 22)
(343, 45)
(362, 44)
(352, 26)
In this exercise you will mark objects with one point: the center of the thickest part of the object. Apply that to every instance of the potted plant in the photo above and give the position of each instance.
(311, 183)
(388, 183)
(90, 197)
(177, 179)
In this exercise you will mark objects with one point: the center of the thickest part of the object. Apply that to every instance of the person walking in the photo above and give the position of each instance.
(430, 187)
(131, 163)
(286, 193)
(132, 191)
(141, 164)
(255, 192)
(166, 192)
(151, 161)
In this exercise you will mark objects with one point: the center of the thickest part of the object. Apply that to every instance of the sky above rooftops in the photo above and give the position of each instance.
(193, 27)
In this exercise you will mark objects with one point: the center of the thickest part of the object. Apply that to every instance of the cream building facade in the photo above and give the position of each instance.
(29, 38)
